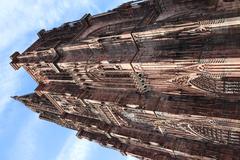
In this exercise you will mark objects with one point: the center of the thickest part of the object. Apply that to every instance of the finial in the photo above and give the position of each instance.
(14, 61)
(14, 97)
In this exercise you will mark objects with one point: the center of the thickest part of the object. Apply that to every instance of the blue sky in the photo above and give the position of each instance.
(22, 135)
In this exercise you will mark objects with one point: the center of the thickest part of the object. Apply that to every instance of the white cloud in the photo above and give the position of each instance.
(9, 82)
(25, 145)
(18, 17)
(75, 149)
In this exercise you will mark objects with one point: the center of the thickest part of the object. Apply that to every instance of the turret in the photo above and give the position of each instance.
(36, 103)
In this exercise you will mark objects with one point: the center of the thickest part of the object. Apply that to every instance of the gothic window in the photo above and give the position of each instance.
(218, 135)
(205, 83)
(231, 85)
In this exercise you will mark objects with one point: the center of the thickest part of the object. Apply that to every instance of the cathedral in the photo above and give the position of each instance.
(154, 79)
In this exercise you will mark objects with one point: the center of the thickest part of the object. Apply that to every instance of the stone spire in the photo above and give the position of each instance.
(36, 103)
(157, 79)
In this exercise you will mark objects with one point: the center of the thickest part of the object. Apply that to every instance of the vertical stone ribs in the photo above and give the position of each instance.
(155, 79)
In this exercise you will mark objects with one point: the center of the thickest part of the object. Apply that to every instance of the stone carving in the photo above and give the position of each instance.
(157, 79)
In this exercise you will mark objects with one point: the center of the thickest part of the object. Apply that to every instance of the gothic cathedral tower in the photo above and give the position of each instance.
(156, 79)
